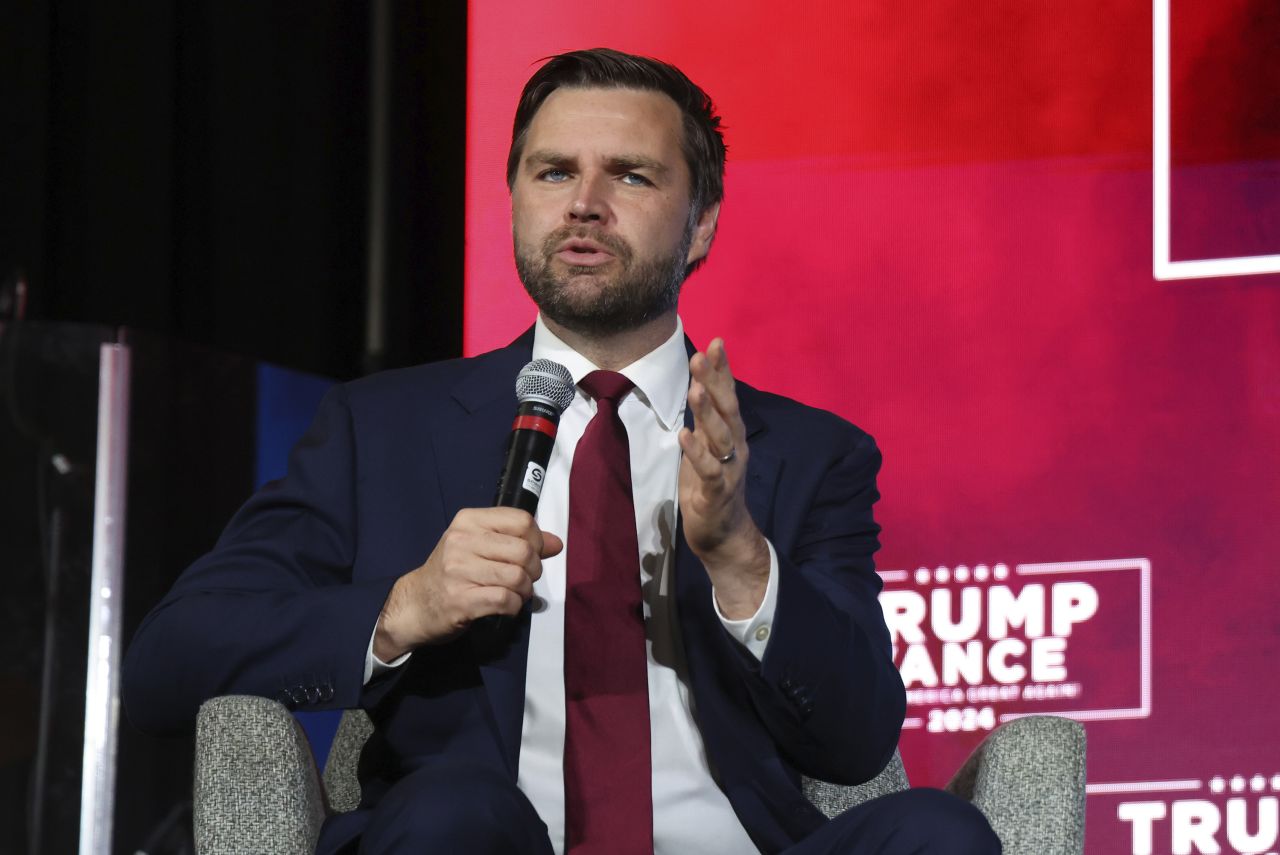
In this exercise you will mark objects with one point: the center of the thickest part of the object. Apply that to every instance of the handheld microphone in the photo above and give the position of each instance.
(544, 389)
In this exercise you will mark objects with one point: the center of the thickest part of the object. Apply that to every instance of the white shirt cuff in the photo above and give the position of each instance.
(754, 632)
(373, 666)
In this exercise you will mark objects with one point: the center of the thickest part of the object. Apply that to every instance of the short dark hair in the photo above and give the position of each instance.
(604, 68)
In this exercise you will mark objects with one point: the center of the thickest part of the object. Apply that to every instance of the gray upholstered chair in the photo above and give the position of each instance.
(257, 790)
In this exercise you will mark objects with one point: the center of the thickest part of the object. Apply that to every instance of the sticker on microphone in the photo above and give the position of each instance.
(533, 478)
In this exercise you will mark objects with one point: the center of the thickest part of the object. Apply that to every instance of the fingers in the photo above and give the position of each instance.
(713, 401)
(484, 601)
(713, 488)
(718, 430)
(480, 572)
(495, 556)
(551, 545)
(496, 524)
(499, 575)
(512, 521)
(485, 563)
(708, 419)
(711, 370)
(704, 463)
(504, 548)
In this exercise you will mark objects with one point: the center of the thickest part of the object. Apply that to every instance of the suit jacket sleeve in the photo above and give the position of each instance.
(273, 610)
(827, 690)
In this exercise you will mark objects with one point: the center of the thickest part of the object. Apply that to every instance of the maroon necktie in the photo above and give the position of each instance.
(608, 783)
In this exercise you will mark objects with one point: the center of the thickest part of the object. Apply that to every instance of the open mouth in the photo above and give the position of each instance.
(583, 253)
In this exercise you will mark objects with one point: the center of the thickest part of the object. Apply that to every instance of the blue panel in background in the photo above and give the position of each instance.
(287, 401)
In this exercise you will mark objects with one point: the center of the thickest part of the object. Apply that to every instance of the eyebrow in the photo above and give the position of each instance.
(616, 163)
(628, 162)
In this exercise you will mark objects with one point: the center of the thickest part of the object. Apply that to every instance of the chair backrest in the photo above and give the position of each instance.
(342, 789)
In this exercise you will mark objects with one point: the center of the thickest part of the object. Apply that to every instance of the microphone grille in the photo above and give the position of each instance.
(547, 381)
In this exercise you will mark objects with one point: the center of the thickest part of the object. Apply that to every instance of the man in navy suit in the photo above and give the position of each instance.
(356, 580)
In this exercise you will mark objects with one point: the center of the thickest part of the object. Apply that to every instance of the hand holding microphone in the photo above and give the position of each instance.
(486, 562)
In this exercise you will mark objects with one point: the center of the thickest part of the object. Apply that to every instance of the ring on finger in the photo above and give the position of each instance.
(733, 452)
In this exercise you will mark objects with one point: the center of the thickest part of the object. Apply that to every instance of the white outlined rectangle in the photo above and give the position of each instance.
(1164, 267)
(1143, 566)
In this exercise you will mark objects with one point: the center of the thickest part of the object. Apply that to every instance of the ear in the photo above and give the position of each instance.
(704, 231)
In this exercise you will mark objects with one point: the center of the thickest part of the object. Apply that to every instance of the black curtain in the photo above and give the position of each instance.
(199, 168)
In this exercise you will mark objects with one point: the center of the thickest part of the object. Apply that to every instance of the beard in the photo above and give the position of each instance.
(619, 302)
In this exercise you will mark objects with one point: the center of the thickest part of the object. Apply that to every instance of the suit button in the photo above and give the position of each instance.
(786, 684)
(313, 694)
(326, 692)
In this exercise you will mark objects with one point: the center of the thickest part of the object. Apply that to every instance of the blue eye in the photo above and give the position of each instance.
(553, 175)
(634, 180)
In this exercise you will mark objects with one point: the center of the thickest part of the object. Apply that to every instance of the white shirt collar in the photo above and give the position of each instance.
(661, 375)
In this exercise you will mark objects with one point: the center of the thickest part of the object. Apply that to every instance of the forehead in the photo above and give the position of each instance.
(574, 118)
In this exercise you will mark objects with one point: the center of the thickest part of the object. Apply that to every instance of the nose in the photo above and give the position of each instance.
(590, 203)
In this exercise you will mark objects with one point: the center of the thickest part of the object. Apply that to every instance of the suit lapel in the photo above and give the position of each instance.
(470, 441)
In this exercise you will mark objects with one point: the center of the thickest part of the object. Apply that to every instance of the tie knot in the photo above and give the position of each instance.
(606, 386)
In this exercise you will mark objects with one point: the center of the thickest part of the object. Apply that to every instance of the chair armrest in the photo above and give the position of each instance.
(256, 788)
(835, 799)
(341, 782)
(1028, 778)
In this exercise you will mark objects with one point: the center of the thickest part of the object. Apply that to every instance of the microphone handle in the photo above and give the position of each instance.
(525, 469)
(523, 472)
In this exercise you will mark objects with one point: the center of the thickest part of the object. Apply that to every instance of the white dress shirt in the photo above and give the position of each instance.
(691, 815)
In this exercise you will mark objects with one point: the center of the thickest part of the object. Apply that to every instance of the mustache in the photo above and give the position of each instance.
(616, 245)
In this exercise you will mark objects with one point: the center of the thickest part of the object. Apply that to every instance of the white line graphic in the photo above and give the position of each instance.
(1164, 267)
(1143, 787)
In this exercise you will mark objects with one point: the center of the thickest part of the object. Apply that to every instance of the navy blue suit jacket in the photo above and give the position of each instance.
(285, 604)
